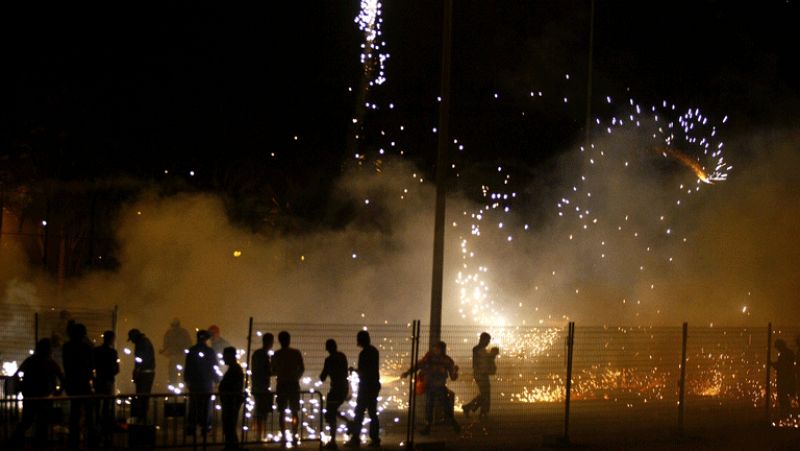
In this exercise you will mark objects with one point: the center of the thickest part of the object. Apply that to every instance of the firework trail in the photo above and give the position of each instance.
(373, 60)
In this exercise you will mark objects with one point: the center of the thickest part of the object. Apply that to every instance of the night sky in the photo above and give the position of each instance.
(104, 90)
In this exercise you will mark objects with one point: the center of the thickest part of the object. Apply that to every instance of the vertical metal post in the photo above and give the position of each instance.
(589, 74)
(2, 207)
(441, 176)
(411, 417)
(46, 238)
(682, 381)
(570, 347)
(768, 386)
(114, 315)
(247, 377)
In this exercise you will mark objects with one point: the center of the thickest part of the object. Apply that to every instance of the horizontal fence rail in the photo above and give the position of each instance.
(169, 420)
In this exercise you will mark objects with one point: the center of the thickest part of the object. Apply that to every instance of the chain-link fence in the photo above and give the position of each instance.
(625, 381)
(21, 325)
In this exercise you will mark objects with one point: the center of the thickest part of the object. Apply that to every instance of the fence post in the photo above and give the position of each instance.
(682, 382)
(247, 379)
(570, 347)
(412, 386)
(768, 387)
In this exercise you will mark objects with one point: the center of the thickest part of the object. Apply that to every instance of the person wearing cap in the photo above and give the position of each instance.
(200, 376)
(144, 372)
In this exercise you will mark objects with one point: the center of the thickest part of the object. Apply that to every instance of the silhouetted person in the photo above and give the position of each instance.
(483, 366)
(336, 368)
(106, 368)
(288, 367)
(260, 372)
(176, 342)
(231, 394)
(78, 374)
(784, 367)
(200, 376)
(39, 376)
(369, 385)
(144, 373)
(436, 366)
(217, 342)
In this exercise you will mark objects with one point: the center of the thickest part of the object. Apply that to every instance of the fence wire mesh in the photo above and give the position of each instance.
(20, 327)
(621, 374)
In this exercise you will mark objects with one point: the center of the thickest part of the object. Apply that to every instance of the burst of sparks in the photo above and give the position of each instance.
(373, 56)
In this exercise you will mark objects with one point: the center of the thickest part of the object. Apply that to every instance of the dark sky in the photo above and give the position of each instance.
(109, 89)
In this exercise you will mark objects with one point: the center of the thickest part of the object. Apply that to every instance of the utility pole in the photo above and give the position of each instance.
(589, 75)
(2, 207)
(441, 176)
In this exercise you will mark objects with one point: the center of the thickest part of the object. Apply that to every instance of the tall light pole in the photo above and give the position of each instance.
(589, 75)
(441, 176)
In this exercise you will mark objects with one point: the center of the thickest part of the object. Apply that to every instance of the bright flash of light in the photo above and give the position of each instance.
(695, 167)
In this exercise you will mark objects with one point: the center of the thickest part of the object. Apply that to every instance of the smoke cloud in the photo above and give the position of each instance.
(182, 257)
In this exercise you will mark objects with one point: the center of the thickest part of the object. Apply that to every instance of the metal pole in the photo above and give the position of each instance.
(46, 231)
(247, 376)
(441, 175)
(2, 207)
(114, 315)
(570, 347)
(682, 382)
(589, 73)
(768, 386)
(412, 386)
(415, 381)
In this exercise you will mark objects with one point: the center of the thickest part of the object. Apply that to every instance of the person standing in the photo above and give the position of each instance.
(176, 342)
(106, 368)
(200, 378)
(369, 386)
(78, 375)
(217, 342)
(39, 376)
(483, 366)
(336, 368)
(144, 373)
(436, 366)
(231, 394)
(784, 367)
(287, 364)
(260, 368)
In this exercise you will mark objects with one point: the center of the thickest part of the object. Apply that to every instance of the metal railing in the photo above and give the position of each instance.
(156, 420)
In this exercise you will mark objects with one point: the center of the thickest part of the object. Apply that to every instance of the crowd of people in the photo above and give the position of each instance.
(89, 377)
